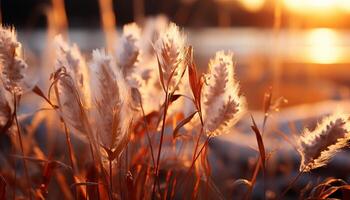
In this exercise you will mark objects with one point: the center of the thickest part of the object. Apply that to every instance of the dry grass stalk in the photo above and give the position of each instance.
(170, 50)
(13, 76)
(317, 147)
(222, 103)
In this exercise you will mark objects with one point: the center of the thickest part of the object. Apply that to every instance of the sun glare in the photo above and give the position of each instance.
(323, 46)
(345, 5)
(311, 6)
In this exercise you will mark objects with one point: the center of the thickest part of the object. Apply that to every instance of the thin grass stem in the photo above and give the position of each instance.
(160, 144)
(71, 154)
(147, 133)
(111, 176)
(21, 145)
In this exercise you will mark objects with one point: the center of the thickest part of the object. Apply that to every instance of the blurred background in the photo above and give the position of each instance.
(189, 13)
(300, 47)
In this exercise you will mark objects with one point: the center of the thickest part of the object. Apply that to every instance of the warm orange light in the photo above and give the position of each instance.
(311, 6)
(322, 46)
(252, 5)
(345, 5)
(322, 4)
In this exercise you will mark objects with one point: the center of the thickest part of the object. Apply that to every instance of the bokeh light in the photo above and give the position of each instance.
(252, 5)
(323, 46)
(321, 6)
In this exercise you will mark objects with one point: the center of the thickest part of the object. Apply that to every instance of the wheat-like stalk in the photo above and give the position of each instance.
(12, 66)
(75, 64)
(222, 103)
(317, 147)
(170, 49)
(112, 98)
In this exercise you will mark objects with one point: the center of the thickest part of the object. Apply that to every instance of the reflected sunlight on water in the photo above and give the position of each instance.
(312, 6)
(314, 46)
(323, 46)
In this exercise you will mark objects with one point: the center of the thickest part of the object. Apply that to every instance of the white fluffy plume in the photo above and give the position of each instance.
(70, 58)
(112, 100)
(222, 103)
(12, 66)
(128, 49)
(170, 48)
(318, 146)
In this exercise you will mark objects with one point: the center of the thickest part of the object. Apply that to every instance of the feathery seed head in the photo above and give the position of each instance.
(100, 58)
(112, 98)
(69, 102)
(317, 147)
(12, 66)
(222, 104)
(71, 58)
(128, 49)
(170, 48)
(9, 44)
